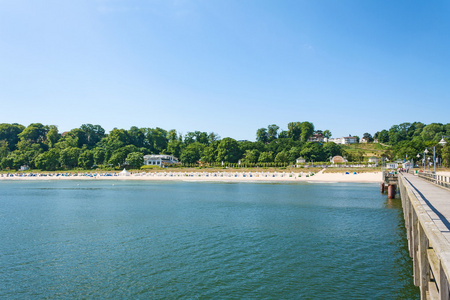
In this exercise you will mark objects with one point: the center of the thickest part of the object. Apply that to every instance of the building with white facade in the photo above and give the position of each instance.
(300, 160)
(159, 160)
(344, 140)
(374, 159)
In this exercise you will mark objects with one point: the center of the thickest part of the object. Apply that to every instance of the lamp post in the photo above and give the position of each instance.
(434, 160)
(425, 152)
(442, 142)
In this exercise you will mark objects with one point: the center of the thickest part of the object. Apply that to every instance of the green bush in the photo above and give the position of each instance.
(146, 167)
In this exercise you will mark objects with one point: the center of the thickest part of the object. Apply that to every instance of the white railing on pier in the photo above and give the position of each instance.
(441, 180)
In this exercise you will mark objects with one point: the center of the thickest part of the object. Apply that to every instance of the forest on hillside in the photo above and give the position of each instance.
(44, 147)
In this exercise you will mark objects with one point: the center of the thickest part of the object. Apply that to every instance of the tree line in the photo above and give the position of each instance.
(44, 147)
(407, 140)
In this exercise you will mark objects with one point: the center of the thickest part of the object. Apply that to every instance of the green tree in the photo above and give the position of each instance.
(327, 134)
(137, 137)
(158, 139)
(48, 160)
(313, 152)
(69, 157)
(213, 137)
(86, 159)
(192, 153)
(175, 147)
(294, 130)
(433, 131)
(282, 157)
(52, 136)
(135, 159)
(35, 133)
(265, 157)
(228, 151)
(368, 137)
(93, 134)
(10, 133)
(294, 153)
(251, 156)
(307, 131)
(172, 135)
(4, 149)
(99, 155)
(7, 162)
(118, 157)
(446, 155)
(210, 152)
(330, 150)
(262, 135)
(272, 132)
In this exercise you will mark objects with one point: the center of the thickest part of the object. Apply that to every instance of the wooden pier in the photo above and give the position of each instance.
(426, 208)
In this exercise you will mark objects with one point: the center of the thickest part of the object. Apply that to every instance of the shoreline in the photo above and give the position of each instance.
(372, 177)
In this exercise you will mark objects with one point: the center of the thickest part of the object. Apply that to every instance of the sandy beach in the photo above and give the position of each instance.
(228, 176)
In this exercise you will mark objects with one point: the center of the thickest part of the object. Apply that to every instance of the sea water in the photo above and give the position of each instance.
(167, 240)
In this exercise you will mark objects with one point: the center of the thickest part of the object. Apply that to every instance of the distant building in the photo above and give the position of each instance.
(300, 160)
(407, 165)
(344, 140)
(391, 165)
(364, 140)
(317, 138)
(335, 140)
(349, 140)
(159, 160)
(374, 159)
(338, 159)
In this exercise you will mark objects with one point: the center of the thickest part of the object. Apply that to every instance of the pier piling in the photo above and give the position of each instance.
(391, 191)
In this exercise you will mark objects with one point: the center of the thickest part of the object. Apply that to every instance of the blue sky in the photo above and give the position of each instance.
(225, 66)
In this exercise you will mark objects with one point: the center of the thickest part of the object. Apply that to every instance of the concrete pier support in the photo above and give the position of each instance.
(382, 187)
(391, 191)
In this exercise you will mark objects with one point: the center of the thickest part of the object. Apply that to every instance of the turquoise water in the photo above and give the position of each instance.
(167, 240)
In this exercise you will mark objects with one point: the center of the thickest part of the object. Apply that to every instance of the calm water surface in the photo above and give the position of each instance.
(155, 240)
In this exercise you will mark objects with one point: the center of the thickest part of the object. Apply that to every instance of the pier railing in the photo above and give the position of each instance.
(441, 180)
(427, 245)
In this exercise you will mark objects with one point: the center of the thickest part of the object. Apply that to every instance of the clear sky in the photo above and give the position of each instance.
(228, 66)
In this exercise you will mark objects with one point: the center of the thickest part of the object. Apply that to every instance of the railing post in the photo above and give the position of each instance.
(415, 244)
(423, 262)
(443, 284)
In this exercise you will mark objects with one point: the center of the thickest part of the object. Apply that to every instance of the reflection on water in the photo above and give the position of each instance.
(202, 240)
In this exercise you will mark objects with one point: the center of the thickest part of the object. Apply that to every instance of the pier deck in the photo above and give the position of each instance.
(435, 200)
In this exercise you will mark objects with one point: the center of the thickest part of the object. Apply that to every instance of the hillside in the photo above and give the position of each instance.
(366, 150)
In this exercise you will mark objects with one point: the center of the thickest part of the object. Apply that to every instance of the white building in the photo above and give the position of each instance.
(391, 165)
(349, 140)
(159, 160)
(300, 160)
(364, 140)
(344, 140)
(374, 159)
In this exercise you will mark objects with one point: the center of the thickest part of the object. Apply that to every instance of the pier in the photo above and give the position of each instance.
(426, 207)
(390, 179)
